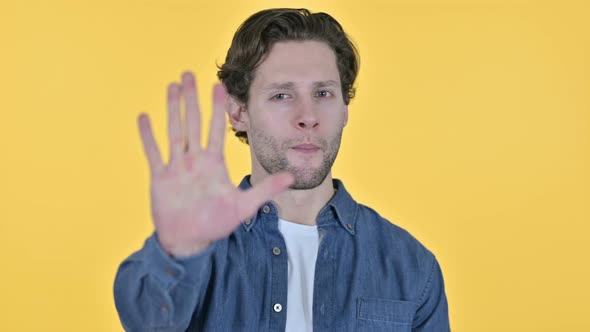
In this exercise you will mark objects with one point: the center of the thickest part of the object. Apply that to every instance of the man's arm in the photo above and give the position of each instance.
(193, 204)
(155, 292)
(433, 312)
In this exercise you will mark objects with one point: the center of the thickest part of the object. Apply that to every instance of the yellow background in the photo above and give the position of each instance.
(471, 129)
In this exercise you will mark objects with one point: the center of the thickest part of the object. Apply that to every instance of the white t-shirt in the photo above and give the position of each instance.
(302, 243)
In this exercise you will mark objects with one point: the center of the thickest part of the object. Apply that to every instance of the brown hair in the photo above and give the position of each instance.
(255, 37)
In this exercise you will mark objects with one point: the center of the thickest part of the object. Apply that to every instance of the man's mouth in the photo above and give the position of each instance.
(306, 148)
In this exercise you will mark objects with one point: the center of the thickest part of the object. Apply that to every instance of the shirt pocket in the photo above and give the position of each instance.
(375, 314)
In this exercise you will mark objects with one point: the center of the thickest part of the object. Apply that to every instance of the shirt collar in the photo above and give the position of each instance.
(341, 207)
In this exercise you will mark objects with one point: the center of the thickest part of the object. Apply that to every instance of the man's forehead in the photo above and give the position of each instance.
(303, 50)
(288, 85)
(292, 63)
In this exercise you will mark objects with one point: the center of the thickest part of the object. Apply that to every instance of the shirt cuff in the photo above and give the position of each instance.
(170, 271)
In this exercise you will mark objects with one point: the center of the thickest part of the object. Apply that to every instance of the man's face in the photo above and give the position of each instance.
(296, 112)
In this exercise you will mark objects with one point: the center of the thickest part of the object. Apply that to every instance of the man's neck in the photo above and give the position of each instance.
(302, 206)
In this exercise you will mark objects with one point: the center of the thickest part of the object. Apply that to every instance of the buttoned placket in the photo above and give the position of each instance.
(279, 267)
(324, 279)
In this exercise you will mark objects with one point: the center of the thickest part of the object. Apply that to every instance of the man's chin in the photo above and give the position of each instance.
(303, 186)
(307, 179)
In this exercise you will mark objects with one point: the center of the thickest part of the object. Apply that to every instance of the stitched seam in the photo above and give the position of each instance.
(428, 283)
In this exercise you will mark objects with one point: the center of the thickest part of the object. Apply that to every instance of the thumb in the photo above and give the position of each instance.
(264, 191)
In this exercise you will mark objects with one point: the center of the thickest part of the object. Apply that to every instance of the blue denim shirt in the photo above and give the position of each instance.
(370, 275)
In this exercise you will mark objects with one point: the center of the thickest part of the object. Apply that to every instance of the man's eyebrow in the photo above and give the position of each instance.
(324, 84)
(280, 85)
(291, 85)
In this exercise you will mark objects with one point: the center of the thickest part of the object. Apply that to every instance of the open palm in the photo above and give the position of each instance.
(193, 201)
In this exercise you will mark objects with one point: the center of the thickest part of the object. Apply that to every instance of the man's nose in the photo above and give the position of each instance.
(307, 116)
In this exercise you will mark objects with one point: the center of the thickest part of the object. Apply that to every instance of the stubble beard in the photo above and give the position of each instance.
(272, 156)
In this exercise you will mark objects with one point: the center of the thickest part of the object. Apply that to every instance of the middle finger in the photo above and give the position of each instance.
(175, 123)
(193, 115)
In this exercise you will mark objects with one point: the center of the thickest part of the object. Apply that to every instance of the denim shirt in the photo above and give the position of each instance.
(370, 275)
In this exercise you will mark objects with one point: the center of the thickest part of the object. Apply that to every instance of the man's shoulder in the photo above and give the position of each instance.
(389, 236)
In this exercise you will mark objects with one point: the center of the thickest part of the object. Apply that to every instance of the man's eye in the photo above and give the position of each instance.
(279, 96)
(323, 93)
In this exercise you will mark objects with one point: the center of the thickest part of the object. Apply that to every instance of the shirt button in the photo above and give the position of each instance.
(278, 307)
(349, 226)
(266, 209)
(170, 273)
(164, 308)
(276, 251)
(248, 221)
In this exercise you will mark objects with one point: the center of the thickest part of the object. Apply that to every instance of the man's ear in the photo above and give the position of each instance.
(236, 111)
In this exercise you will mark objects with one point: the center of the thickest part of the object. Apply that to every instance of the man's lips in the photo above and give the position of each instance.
(306, 147)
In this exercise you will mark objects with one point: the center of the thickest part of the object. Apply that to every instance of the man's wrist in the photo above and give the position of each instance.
(184, 251)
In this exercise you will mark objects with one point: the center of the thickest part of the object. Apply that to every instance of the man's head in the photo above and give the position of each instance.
(290, 75)
(256, 36)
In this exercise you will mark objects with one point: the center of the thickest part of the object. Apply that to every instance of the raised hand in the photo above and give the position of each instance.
(193, 201)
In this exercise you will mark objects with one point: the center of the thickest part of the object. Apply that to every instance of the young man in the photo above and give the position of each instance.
(290, 250)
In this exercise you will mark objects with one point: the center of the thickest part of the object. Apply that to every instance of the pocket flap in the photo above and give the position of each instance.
(386, 310)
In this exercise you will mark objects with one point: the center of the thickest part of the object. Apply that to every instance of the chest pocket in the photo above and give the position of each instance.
(384, 315)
